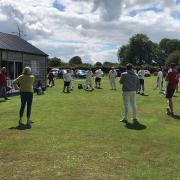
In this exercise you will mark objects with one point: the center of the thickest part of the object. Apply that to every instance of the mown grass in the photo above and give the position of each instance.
(79, 136)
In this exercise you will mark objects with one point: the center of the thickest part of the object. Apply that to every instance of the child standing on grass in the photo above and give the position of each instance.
(67, 80)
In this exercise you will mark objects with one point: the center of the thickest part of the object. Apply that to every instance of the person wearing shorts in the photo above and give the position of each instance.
(171, 79)
(98, 74)
(67, 80)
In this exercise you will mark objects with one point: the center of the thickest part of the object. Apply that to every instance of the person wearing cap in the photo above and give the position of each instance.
(130, 84)
(24, 83)
(98, 74)
(171, 79)
(112, 78)
(3, 83)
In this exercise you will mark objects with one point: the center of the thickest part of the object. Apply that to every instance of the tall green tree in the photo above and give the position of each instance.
(140, 49)
(124, 54)
(174, 57)
(98, 64)
(54, 62)
(75, 60)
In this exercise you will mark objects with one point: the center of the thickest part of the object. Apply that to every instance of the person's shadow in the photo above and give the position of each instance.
(2, 100)
(19, 127)
(136, 126)
(175, 116)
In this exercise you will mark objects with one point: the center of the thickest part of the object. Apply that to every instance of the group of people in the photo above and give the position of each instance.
(130, 80)
(130, 86)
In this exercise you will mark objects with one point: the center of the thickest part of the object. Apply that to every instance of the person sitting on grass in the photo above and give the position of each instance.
(67, 79)
(39, 88)
(24, 83)
(171, 79)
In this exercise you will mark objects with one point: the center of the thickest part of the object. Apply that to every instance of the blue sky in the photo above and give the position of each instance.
(58, 6)
(91, 29)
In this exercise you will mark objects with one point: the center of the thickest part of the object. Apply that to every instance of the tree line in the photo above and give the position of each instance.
(76, 62)
(141, 50)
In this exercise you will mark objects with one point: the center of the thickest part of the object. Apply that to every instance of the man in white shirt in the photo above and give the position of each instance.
(88, 83)
(98, 74)
(72, 78)
(141, 80)
(159, 79)
(67, 79)
(112, 78)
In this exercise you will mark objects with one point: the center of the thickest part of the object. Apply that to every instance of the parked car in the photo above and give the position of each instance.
(55, 72)
(118, 72)
(61, 73)
(147, 73)
(80, 73)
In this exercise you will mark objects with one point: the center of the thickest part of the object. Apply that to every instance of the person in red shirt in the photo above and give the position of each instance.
(3, 83)
(171, 78)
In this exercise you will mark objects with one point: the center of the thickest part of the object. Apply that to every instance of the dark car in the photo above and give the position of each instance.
(118, 72)
(80, 73)
(61, 73)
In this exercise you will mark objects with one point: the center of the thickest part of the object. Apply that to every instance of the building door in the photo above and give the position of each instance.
(14, 69)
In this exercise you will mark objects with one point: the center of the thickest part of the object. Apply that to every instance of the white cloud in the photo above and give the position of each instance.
(92, 29)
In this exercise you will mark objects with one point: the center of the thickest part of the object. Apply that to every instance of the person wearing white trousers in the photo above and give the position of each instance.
(130, 84)
(129, 97)
(88, 83)
(112, 78)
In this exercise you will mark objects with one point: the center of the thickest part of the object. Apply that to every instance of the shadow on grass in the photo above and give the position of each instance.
(144, 94)
(135, 126)
(22, 127)
(2, 100)
(175, 116)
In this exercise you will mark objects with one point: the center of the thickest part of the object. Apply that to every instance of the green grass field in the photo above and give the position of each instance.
(79, 136)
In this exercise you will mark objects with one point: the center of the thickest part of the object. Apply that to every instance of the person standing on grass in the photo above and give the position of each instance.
(112, 78)
(51, 79)
(88, 83)
(171, 79)
(130, 82)
(24, 83)
(3, 83)
(98, 74)
(159, 80)
(177, 89)
(67, 79)
(141, 80)
(72, 79)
